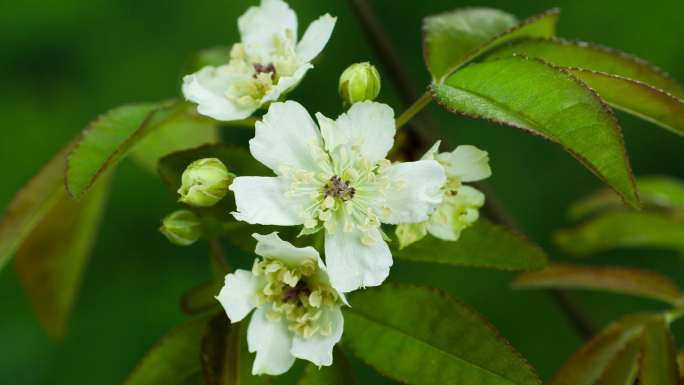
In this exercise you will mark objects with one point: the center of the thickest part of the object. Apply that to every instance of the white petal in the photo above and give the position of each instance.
(430, 154)
(315, 38)
(261, 200)
(467, 162)
(376, 121)
(272, 247)
(286, 83)
(332, 135)
(237, 295)
(258, 25)
(208, 88)
(272, 342)
(422, 193)
(318, 349)
(353, 264)
(281, 137)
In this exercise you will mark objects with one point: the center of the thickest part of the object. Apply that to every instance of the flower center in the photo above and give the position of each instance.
(337, 189)
(292, 294)
(260, 68)
(326, 193)
(294, 297)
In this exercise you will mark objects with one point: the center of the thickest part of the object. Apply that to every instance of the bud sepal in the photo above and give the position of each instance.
(204, 183)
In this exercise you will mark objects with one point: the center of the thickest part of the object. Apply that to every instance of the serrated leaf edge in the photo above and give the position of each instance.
(584, 161)
(551, 12)
(447, 295)
(106, 162)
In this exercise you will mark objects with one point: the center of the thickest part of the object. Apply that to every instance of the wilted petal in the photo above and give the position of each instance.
(282, 136)
(261, 200)
(371, 120)
(237, 295)
(420, 195)
(315, 38)
(318, 348)
(272, 342)
(353, 264)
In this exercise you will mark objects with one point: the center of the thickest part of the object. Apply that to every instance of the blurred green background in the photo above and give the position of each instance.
(63, 63)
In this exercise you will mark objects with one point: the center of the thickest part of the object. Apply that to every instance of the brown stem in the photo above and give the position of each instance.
(218, 259)
(429, 132)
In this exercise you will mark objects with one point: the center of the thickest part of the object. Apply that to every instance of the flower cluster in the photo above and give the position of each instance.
(332, 176)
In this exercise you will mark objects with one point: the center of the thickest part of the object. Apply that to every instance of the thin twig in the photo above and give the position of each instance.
(429, 132)
(399, 77)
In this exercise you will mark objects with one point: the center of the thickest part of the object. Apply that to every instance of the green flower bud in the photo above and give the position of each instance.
(181, 227)
(204, 183)
(359, 82)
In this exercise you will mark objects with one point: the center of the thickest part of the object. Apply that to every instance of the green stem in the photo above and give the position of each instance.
(414, 109)
(429, 132)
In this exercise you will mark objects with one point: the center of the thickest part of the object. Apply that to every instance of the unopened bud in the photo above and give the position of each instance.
(359, 82)
(181, 227)
(204, 183)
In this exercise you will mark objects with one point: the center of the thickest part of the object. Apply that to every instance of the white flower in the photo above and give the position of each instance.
(459, 208)
(298, 312)
(263, 67)
(338, 179)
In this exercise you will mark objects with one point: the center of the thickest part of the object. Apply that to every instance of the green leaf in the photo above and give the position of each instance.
(215, 56)
(534, 96)
(225, 357)
(175, 359)
(482, 245)
(622, 368)
(51, 261)
(200, 298)
(112, 136)
(636, 98)
(452, 39)
(665, 192)
(576, 54)
(340, 372)
(181, 134)
(658, 356)
(636, 282)
(621, 230)
(418, 335)
(588, 362)
(31, 204)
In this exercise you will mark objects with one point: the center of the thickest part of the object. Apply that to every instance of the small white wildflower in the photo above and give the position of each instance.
(267, 63)
(459, 208)
(338, 179)
(298, 312)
